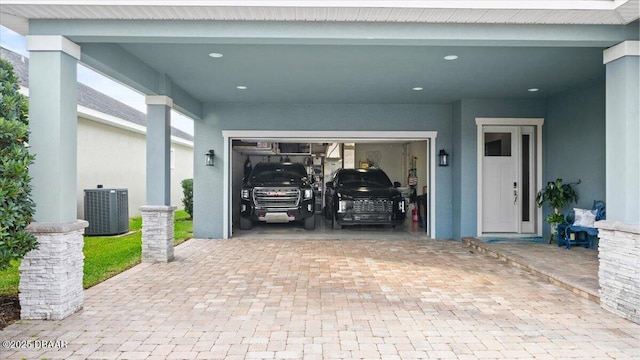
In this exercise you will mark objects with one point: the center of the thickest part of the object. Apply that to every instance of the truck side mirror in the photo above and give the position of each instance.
(396, 184)
(329, 184)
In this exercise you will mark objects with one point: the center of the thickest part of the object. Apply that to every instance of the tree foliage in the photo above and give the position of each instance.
(16, 206)
(187, 201)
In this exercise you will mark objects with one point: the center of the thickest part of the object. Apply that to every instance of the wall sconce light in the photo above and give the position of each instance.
(208, 158)
(444, 158)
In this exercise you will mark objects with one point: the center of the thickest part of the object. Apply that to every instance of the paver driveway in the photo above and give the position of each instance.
(331, 299)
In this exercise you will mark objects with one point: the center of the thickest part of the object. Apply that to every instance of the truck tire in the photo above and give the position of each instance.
(245, 224)
(310, 223)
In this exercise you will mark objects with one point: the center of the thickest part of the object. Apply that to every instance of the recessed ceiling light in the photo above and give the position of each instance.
(216, 55)
(451, 57)
(241, 87)
(417, 88)
(533, 90)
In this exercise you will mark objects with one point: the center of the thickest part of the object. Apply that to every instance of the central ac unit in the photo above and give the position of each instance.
(107, 211)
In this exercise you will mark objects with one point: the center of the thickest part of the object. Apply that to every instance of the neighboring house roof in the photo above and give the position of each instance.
(90, 98)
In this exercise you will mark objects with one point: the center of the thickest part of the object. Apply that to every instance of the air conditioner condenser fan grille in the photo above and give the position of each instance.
(107, 211)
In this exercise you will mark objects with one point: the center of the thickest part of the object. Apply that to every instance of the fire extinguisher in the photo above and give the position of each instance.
(414, 215)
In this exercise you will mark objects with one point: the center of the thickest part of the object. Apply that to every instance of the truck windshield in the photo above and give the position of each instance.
(278, 170)
(374, 178)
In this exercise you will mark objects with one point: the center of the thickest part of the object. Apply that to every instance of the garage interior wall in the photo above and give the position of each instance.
(391, 158)
(208, 183)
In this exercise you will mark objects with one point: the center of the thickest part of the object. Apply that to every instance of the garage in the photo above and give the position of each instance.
(405, 157)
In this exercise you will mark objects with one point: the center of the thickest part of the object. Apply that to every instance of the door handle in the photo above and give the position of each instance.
(515, 197)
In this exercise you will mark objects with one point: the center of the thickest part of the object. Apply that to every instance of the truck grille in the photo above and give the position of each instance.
(276, 197)
(369, 206)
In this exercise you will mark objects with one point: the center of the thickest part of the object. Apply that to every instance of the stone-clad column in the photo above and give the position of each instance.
(619, 274)
(51, 276)
(157, 233)
(158, 214)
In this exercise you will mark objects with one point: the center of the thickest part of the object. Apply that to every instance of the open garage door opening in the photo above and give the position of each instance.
(329, 184)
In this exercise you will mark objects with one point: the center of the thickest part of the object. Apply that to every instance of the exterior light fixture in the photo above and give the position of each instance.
(444, 158)
(208, 158)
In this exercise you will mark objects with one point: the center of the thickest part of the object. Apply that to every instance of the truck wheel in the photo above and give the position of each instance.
(310, 223)
(334, 224)
(245, 224)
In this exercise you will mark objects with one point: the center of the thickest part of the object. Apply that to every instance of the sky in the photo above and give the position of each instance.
(17, 43)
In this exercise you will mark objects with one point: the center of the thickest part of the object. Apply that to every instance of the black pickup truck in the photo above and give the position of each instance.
(363, 197)
(277, 193)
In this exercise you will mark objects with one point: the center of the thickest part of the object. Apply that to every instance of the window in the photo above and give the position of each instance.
(497, 144)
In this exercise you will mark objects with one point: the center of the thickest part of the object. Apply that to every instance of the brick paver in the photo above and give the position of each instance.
(330, 299)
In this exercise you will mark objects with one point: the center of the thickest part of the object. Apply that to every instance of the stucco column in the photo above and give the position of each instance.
(51, 276)
(619, 250)
(623, 131)
(158, 214)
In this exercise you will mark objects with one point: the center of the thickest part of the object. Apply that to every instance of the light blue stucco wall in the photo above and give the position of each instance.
(574, 143)
(623, 139)
(208, 181)
(464, 158)
(53, 121)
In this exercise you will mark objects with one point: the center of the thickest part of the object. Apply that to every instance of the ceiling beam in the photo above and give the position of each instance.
(118, 64)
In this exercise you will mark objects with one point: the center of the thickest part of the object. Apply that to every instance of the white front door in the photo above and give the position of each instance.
(500, 179)
(508, 178)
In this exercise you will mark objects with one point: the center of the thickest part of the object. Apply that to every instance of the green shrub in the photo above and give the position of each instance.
(187, 201)
(16, 206)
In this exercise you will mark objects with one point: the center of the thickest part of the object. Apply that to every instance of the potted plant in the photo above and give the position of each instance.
(557, 195)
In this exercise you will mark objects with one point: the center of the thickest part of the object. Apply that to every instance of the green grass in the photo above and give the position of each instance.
(106, 256)
(10, 278)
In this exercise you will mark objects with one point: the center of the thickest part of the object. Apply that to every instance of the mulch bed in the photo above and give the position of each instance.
(9, 310)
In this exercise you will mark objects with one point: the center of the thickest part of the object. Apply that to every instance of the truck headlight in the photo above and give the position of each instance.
(401, 206)
(308, 194)
(345, 205)
(245, 194)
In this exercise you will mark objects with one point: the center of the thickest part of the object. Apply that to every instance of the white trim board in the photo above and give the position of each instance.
(625, 48)
(480, 122)
(323, 136)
